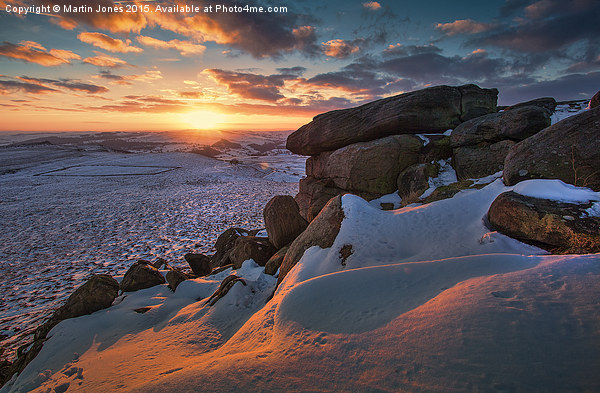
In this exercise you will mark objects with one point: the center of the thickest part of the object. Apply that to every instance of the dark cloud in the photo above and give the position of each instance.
(69, 84)
(250, 85)
(568, 87)
(553, 27)
(9, 86)
(292, 70)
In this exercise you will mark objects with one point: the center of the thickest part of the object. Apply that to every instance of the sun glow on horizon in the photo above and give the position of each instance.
(203, 120)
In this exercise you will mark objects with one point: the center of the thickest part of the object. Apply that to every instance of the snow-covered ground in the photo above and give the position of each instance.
(430, 300)
(72, 207)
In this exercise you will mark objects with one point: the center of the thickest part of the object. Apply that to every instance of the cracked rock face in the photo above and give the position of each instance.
(432, 110)
(555, 226)
(568, 150)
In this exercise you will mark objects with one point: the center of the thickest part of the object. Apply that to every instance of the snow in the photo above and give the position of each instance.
(392, 198)
(563, 111)
(594, 210)
(446, 176)
(556, 190)
(429, 297)
(71, 208)
(430, 300)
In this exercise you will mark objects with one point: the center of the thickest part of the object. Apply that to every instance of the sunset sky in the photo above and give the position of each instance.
(119, 71)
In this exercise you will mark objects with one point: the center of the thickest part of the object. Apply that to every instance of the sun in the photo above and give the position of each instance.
(203, 120)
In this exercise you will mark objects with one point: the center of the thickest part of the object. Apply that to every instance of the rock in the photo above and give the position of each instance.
(547, 103)
(314, 194)
(474, 162)
(481, 144)
(448, 191)
(199, 263)
(141, 276)
(283, 220)
(175, 277)
(160, 263)
(224, 244)
(275, 261)
(431, 110)
(556, 226)
(367, 167)
(595, 101)
(258, 249)
(516, 125)
(414, 181)
(95, 294)
(321, 232)
(438, 148)
(568, 150)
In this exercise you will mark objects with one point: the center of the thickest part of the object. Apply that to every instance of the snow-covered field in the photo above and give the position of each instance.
(430, 300)
(71, 209)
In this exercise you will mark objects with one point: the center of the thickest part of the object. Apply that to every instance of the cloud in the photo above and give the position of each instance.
(372, 5)
(251, 86)
(185, 48)
(7, 87)
(191, 94)
(298, 70)
(32, 52)
(258, 34)
(127, 80)
(549, 26)
(104, 60)
(70, 84)
(115, 22)
(464, 26)
(340, 49)
(108, 43)
(568, 87)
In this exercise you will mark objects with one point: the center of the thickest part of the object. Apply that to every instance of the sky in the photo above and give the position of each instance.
(150, 66)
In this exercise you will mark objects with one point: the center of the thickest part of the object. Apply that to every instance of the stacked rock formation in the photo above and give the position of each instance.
(362, 150)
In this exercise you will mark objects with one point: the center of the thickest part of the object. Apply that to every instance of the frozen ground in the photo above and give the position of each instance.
(76, 204)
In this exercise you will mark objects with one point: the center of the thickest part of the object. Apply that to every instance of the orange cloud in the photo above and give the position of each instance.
(464, 26)
(339, 49)
(104, 60)
(108, 43)
(32, 52)
(185, 48)
(372, 5)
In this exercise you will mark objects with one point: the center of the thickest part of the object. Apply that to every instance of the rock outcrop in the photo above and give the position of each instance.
(367, 167)
(321, 232)
(224, 244)
(199, 263)
(274, 263)
(175, 277)
(141, 275)
(556, 226)
(595, 101)
(481, 144)
(568, 150)
(258, 249)
(547, 103)
(283, 220)
(432, 110)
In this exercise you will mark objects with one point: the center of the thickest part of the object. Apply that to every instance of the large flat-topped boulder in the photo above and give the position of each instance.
(432, 110)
